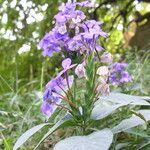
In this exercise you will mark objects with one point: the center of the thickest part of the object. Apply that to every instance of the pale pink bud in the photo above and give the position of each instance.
(106, 57)
(103, 89)
(66, 63)
(102, 79)
(80, 71)
(103, 71)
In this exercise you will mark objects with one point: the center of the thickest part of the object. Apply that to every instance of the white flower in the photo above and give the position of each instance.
(24, 48)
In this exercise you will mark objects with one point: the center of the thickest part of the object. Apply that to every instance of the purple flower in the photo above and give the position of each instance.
(87, 41)
(60, 18)
(56, 88)
(48, 45)
(62, 29)
(114, 79)
(93, 27)
(118, 66)
(71, 32)
(47, 108)
(53, 83)
(77, 44)
(84, 43)
(53, 42)
(52, 95)
(66, 64)
(79, 14)
(74, 45)
(118, 74)
(65, 12)
(50, 101)
(77, 17)
(67, 8)
(85, 4)
(125, 77)
(66, 84)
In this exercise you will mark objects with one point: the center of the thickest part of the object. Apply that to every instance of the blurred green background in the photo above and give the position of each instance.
(24, 71)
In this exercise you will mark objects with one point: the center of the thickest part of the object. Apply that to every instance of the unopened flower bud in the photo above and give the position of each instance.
(103, 71)
(80, 71)
(103, 89)
(102, 79)
(106, 57)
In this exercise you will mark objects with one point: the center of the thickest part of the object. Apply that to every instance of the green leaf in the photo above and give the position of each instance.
(95, 141)
(139, 115)
(100, 111)
(89, 89)
(125, 98)
(25, 136)
(127, 124)
(65, 121)
(132, 121)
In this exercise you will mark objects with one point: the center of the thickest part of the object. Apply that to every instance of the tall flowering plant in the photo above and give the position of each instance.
(73, 33)
(81, 89)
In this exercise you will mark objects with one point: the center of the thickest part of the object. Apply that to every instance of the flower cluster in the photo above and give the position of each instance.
(56, 89)
(72, 32)
(118, 74)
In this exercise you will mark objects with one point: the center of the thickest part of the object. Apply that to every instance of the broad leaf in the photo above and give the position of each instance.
(64, 120)
(132, 122)
(146, 98)
(95, 141)
(124, 98)
(25, 136)
(128, 123)
(101, 111)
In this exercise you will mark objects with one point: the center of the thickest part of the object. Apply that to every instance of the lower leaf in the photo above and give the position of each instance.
(25, 136)
(66, 118)
(95, 141)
